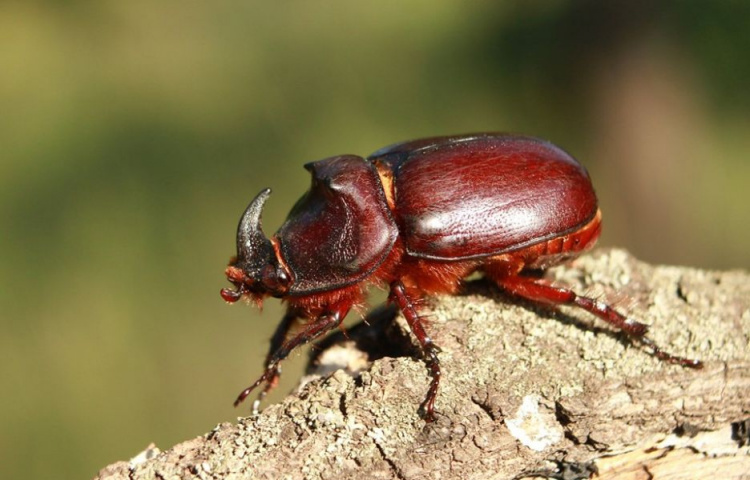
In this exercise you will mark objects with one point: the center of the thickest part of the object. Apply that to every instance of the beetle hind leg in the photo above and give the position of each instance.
(540, 292)
(407, 303)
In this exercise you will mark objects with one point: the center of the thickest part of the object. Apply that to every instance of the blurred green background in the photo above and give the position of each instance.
(133, 134)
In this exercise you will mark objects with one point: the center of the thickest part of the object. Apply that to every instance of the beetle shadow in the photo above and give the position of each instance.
(377, 335)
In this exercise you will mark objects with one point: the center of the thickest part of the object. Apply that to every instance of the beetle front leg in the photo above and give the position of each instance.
(321, 325)
(407, 304)
(536, 291)
(277, 340)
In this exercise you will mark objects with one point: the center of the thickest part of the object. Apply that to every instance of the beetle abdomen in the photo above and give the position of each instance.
(459, 198)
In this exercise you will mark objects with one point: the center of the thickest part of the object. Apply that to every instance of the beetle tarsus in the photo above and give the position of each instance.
(668, 357)
(427, 408)
(243, 394)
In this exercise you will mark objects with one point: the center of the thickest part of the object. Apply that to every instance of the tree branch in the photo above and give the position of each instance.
(525, 392)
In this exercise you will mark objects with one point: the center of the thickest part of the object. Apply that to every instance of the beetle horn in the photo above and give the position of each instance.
(254, 250)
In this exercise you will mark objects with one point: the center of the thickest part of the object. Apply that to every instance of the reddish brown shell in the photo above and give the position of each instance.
(481, 195)
(340, 230)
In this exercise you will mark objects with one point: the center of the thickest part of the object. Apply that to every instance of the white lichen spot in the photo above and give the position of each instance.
(376, 434)
(327, 418)
(533, 427)
(150, 452)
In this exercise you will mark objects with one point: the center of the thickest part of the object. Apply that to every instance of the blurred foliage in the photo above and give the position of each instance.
(132, 135)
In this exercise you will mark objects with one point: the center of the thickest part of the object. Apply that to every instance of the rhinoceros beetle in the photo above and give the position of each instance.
(417, 218)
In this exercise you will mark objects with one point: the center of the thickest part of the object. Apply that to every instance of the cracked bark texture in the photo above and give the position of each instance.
(526, 392)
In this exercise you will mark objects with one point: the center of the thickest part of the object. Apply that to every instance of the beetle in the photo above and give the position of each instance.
(417, 218)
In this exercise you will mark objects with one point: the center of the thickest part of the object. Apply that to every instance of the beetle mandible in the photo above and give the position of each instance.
(418, 217)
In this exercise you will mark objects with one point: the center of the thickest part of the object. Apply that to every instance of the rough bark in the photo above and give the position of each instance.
(526, 392)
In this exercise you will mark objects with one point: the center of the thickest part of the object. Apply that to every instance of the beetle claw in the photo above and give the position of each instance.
(426, 412)
(270, 377)
(244, 394)
(668, 357)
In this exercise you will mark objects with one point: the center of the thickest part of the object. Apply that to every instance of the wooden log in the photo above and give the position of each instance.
(526, 392)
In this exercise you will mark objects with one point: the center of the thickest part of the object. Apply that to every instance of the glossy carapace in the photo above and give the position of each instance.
(417, 218)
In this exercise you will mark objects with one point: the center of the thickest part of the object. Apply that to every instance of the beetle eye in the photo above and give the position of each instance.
(276, 280)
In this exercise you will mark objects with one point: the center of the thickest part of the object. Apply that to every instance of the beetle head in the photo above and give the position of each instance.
(255, 270)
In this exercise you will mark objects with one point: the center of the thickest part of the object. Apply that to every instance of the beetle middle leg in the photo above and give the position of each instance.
(537, 291)
(321, 325)
(407, 304)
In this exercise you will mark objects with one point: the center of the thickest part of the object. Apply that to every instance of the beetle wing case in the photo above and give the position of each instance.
(341, 230)
(475, 196)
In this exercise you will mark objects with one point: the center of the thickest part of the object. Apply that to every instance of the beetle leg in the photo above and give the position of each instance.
(321, 325)
(277, 340)
(537, 291)
(407, 304)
